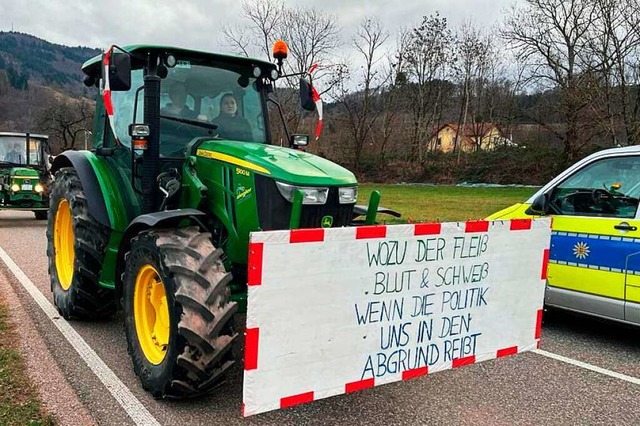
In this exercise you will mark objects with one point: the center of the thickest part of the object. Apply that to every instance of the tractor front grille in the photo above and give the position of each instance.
(274, 211)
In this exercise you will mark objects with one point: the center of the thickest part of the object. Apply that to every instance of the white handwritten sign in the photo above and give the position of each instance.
(332, 311)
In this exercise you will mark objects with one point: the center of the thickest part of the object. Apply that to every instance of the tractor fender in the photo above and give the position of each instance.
(166, 218)
(89, 181)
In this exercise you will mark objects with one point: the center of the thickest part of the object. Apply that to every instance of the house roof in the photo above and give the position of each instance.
(470, 129)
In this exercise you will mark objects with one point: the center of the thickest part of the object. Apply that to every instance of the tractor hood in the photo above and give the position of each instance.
(283, 164)
(24, 172)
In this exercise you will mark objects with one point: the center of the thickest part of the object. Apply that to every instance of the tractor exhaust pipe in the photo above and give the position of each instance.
(151, 157)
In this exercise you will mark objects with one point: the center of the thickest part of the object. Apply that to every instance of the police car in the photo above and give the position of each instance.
(594, 259)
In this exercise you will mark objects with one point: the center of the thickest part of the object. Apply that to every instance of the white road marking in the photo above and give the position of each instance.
(619, 376)
(134, 408)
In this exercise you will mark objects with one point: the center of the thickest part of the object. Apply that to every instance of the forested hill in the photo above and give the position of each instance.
(26, 59)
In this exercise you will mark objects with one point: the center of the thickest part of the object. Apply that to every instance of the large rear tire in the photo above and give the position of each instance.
(178, 317)
(76, 245)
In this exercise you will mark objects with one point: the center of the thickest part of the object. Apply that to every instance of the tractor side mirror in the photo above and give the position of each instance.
(306, 96)
(120, 72)
(540, 205)
(298, 140)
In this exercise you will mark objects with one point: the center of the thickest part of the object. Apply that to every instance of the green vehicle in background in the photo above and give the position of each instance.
(24, 173)
(155, 218)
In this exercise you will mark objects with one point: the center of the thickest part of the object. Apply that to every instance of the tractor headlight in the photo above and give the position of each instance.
(39, 188)
(15, 187)
(310, 194)
(348, 194)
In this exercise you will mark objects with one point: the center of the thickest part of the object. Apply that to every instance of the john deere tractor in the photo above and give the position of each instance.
(155, 218)
(24, 173)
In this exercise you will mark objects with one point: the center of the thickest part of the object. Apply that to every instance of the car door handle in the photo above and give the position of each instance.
(624, 226)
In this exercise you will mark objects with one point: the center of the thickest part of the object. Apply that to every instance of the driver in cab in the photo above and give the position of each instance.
(178, 107)
(15, 155)
(230, 125)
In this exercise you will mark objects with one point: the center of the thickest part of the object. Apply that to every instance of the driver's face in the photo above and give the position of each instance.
(229, 106)
(178, 97)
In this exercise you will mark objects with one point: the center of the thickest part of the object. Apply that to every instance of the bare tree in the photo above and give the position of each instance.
(614, 44)
(426, 63)
(390, 95)
(312, 37)
(474, 54)
(65, 121)
(357, 95)
(265, 19)
(238, 39)
(550, 37)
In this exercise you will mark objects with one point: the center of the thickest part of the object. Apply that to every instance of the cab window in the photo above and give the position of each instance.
(606, 188)
(124, 108)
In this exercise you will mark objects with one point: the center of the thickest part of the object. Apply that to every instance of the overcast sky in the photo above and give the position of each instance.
(196, 23)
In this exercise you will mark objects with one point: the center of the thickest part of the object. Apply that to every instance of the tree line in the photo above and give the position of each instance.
(558, 77)
(569, 68)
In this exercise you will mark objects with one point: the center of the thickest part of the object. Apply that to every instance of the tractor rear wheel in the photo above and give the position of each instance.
(178, 317)
(76, 245)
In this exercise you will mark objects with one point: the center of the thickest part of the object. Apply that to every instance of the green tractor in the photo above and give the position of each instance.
(24, 173)
(155, 218)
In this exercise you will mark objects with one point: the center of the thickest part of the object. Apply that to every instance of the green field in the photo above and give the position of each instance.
(422, 203)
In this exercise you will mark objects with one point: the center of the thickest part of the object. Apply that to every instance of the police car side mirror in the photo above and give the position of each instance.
(540, 205)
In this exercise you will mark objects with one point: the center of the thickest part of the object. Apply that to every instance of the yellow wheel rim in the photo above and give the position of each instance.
(151, 314)
(63, 244)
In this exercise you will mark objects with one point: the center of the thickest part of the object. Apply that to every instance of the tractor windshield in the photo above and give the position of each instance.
(198, 98)
(211, 100)
(17, 150)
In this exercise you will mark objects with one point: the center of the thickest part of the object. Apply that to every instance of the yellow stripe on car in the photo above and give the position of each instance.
(586, 280)
(232, 160)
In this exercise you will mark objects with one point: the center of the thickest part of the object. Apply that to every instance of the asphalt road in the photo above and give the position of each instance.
(525, 389)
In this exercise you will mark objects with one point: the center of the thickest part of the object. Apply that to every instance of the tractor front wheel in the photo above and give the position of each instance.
(76, 245)
(178, 317)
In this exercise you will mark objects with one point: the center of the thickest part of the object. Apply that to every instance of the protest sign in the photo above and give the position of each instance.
(331, 311)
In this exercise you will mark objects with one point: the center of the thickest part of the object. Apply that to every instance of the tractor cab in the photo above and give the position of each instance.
(24, 172)
(195, 95)
(23, 149)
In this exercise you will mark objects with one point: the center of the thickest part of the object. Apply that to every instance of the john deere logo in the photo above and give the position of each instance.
(241, 192)
(327, 221)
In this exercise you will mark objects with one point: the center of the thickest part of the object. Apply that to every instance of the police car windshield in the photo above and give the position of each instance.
(621, 175)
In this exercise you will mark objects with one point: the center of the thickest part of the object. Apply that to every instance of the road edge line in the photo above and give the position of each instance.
(586, 366)
(120, 392)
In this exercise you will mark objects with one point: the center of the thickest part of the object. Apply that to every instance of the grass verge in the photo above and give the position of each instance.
(19, 403)
(420, 203)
